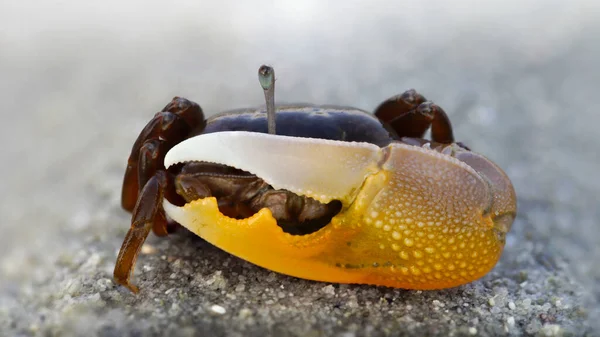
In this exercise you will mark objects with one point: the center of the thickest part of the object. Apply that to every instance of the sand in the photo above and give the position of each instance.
(78, 83)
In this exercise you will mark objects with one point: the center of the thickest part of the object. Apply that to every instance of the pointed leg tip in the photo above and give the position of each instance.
(133, 288)
(125, 283)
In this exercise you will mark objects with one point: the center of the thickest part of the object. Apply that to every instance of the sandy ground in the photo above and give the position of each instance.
(78, 82)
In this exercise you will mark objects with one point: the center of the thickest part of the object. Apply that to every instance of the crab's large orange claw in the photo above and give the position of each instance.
(412, 217)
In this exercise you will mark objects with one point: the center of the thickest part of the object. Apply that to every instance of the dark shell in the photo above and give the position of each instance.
(311, 121)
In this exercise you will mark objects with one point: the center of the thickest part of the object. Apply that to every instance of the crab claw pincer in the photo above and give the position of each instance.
(412, 217)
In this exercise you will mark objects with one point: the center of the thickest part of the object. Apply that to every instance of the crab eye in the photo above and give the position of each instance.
(266, 77)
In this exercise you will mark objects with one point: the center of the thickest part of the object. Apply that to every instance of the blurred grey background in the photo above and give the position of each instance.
(78, 81)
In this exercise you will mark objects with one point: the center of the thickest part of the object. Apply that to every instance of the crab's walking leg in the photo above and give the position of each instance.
(165, 125)
(410, 115)
(148, 212)
(150, 159)
(177, 121)
(152, 155)
(173, 124)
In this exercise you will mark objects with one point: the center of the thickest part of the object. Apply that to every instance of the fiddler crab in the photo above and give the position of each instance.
(325, 193)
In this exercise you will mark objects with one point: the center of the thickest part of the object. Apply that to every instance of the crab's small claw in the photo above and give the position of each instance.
(411, 217)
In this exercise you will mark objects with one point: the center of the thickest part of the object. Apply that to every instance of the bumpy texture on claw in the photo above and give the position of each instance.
(412, 217)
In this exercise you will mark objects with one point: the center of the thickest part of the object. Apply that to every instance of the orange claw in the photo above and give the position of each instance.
(412, 217)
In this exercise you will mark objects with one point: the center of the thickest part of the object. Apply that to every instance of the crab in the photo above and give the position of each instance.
(324, 193)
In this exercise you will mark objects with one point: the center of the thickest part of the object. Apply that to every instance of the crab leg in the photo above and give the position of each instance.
(172, 125)
(151, 155)
(165, 125)
(410, 115)
(148, 213)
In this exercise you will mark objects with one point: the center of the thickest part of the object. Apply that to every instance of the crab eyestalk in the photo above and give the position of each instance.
(266, 77)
